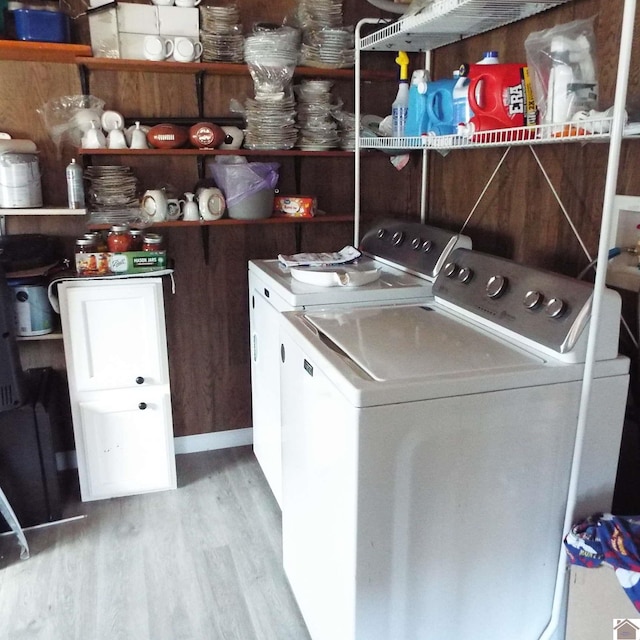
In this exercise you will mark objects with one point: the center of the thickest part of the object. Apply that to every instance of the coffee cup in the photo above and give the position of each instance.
(173, 209)
(157, 48)
(211, 203)
(186, 50)
(187, 3)
(154, 205)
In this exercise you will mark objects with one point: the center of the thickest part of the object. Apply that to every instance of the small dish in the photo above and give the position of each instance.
(112, 120)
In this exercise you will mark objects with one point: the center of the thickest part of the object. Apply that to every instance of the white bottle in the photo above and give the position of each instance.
(75, 186)
(400, 109)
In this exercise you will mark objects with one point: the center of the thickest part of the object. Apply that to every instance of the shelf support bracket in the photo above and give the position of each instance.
(83, 72)
(199, 79)
(204, 238)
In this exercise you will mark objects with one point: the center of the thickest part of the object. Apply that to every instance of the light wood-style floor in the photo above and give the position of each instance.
(200, 563)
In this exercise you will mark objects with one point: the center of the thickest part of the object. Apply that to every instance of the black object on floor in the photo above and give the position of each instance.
(28, 473)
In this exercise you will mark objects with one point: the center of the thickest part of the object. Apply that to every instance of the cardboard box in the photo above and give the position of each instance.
(118, 29)
(107, 264)
(597, 603)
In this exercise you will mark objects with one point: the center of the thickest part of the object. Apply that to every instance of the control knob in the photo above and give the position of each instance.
(427, 245)
(496, 286)
(381, 233)
(556, 307)
(398, 238)
(532, 299)
(465, 274)
(416, 243)
(450, 269)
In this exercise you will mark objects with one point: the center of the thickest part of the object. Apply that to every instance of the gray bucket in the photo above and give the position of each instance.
(254, 207)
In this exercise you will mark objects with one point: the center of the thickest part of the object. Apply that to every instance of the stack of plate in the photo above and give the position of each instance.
(221, 33)
(270, 121)
(316, 14)
(317, 128)
(112, 193)
(329, 48)
(272, 57)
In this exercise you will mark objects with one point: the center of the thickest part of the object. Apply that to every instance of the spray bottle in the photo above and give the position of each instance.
(400, 105)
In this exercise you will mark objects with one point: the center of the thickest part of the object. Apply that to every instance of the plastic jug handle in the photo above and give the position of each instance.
(447, 108)
(473, 103)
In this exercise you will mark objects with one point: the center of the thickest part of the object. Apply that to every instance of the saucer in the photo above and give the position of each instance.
(112, 120)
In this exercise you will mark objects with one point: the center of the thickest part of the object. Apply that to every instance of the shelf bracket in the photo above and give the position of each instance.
(199, 79)
(202, 166)
(297, 172)
(83, 72)
(204, 237)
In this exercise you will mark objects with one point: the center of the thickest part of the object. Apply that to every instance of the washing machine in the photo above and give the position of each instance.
(427, 452)
(398, 264)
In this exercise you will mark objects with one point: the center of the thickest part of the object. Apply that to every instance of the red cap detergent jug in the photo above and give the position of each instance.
(500, 96)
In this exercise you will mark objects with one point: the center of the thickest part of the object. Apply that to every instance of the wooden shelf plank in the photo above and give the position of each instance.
(320, 219)
(333, 153)
(43, 211)
(42, 51)
(218, 68)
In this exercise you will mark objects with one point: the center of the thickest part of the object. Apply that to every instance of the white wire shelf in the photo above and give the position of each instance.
(593, 131)
(447, 21)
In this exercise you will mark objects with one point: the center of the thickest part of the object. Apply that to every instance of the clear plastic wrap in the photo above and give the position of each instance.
(67, 118)
(563, 67)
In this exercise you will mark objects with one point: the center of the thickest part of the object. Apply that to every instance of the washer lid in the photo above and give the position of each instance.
(391, 343)
(355, 275)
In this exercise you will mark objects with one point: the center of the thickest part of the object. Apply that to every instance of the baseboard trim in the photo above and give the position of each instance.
(182, 444)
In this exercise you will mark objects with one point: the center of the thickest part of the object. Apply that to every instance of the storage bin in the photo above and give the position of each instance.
(41, 26)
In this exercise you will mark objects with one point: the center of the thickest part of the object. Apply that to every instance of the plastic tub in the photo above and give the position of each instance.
(253, 207)
(41, 26)
(31, 307)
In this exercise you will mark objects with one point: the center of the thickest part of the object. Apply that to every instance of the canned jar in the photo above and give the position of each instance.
(118, 239)
(85, 245)
(152, 242)
(98, 240)
(137, 236)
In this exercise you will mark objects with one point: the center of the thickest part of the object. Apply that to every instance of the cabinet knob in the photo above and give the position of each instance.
(142, 406)
(139, 380)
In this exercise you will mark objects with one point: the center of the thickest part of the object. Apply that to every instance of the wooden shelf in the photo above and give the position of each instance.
(54, 335)
(218, 68)
(43, 211)
(42, 51)
(225, 222)
(331, 153)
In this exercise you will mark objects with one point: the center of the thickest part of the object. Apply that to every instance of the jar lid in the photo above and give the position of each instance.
(84, 242)
(152, 238)
(135, 232)
(119, 228)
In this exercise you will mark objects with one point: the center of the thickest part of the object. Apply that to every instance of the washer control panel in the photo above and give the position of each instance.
(545, 307)
(411, 246)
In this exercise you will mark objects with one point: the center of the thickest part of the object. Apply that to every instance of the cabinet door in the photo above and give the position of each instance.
(127, 444)
(114, 333)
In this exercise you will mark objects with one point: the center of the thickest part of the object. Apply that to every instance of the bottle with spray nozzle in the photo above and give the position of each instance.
(400, 106)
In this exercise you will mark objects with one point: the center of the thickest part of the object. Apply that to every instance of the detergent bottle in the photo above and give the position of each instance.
(417, 122)
(400, 106)
(500, 96)
(440, 110)
(462, 113)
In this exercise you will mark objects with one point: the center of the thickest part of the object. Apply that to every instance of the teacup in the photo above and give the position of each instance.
(162, 3)
(157, 48)
(154, 205)
(185, 49)
(173, 209)
(187, 3)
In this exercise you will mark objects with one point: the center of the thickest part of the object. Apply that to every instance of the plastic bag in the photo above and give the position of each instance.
(238, 181)
(68, 117)
(563, 69)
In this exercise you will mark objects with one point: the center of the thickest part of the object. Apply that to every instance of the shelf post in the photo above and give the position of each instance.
(204, 238)
(200, 92)
(83, 72)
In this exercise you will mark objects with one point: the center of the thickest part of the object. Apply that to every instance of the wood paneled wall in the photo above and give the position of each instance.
(207, 317)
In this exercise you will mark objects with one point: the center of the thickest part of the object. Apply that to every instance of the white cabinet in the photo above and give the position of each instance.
(116, 354)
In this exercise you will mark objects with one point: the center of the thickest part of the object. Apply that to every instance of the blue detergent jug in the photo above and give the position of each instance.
(440, 108)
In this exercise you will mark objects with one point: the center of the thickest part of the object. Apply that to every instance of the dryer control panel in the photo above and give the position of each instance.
(543, 307)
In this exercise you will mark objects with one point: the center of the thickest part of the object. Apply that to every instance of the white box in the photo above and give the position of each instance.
(596, 600)
(138, 18)
(103, 28)
(132, 46)
(179, 21)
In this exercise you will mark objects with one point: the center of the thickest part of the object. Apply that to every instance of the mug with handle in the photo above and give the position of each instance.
(185, 49)
(157, 48)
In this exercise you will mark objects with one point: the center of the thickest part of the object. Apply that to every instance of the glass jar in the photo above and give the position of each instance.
(86, 263)
(98, 240)
(152, 242)
(85, 245)
(118, 239)
(137, 236)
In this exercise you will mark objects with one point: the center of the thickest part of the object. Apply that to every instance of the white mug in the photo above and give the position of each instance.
(173, 209)
(185, 49)
(187, 3)
(211, 203)
(157, 48)
(154, 205)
